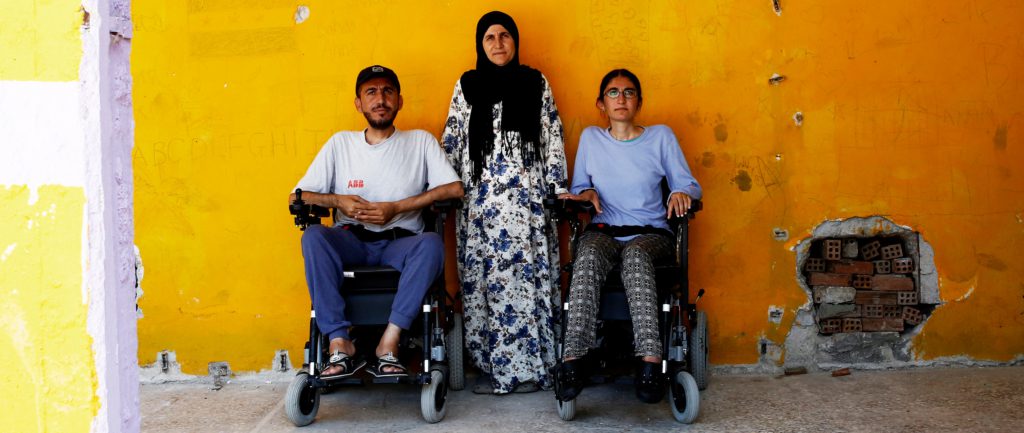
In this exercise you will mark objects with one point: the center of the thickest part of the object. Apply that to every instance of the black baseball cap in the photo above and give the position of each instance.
(377, 71)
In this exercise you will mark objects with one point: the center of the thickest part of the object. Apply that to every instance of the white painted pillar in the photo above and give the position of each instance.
(110, 274)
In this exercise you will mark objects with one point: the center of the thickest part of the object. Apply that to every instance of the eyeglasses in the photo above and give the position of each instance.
(614, 93)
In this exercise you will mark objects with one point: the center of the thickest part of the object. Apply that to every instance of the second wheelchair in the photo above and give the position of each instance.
(682, 328)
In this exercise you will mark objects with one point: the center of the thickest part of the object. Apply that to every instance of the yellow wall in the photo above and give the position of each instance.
(912, 110)
(48, 380)
(39, 40)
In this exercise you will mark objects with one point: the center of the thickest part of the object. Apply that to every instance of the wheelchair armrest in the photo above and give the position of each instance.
(446, 205)
(695, 206)
(565, 209)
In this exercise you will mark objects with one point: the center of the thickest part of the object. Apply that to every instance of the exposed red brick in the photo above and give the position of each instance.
(882, 324)
(869, 297)
(872, 324)
(853, 325)
(892, 312)
(892, 251)
(869, 250)
(830, 326)
(873, 311)
(891, 283)
(912, 315)
(814, 265)
(862, 281)
(906, 298)
(903, 266)
(851, 267)
(825, 279)
(832, 249)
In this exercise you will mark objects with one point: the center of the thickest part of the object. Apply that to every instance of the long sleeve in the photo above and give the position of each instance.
(551, 134)
(680, 179)
(455, 138)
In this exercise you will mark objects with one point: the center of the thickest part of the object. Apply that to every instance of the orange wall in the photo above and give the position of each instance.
(913, 110)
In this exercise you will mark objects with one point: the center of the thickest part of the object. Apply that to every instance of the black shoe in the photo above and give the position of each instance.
(569, 379)
(650, 382)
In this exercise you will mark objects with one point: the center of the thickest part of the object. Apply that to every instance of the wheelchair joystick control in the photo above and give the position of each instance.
(306, 214)
(699, 294)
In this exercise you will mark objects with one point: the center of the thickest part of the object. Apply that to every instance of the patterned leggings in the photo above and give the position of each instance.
(595, 258)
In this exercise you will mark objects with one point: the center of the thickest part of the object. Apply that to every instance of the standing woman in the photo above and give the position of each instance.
(619, 169)
(503, 136)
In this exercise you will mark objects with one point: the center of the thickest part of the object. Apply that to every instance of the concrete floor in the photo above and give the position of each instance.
(915, 400)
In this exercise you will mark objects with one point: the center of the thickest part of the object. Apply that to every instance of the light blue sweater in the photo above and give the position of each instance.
(627, 175)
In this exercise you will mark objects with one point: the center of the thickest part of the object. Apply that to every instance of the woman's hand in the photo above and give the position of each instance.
(588, 195)
(678, 203)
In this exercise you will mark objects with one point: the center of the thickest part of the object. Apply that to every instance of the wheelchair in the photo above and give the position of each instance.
(682, 328)
(435, 339)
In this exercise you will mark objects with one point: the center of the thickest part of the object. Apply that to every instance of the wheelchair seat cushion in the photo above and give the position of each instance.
(371, 278)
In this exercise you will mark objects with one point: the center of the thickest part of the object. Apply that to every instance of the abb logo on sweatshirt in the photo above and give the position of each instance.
(355, 183)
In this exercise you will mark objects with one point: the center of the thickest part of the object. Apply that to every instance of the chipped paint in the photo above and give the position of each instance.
(301, 14)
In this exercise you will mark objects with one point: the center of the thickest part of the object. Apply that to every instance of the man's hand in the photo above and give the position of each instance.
(678, 203)
(348, 204)
(375, 213)
(588, 195)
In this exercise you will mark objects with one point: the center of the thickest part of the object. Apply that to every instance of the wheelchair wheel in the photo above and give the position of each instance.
(453, 345)
(684, 398)
(699, 351)
(301, 401)
(566, 409)
(433, 397)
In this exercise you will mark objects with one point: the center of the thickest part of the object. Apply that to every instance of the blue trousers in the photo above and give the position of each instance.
(329, 250)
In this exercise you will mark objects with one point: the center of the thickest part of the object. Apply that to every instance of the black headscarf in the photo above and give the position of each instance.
(518, 87)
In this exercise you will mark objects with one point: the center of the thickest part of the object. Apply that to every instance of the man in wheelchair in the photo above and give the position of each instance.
(377, 180)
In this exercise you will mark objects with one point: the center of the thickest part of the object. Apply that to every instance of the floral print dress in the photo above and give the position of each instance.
(507, 247)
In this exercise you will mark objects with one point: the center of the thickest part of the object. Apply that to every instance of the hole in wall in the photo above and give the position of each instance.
(858, 310)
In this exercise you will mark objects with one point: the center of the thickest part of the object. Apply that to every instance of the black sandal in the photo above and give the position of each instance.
(388, 360)
(650, 382)
(569, 380)
(348, 364)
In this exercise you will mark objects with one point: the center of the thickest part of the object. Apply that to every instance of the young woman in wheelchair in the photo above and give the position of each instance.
(619, 169)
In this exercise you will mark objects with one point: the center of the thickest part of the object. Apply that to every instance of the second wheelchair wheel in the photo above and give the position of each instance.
(453, 345)
(684, 398)
(699, 351)
(566, 409)
(434, 397)
(301, 401)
